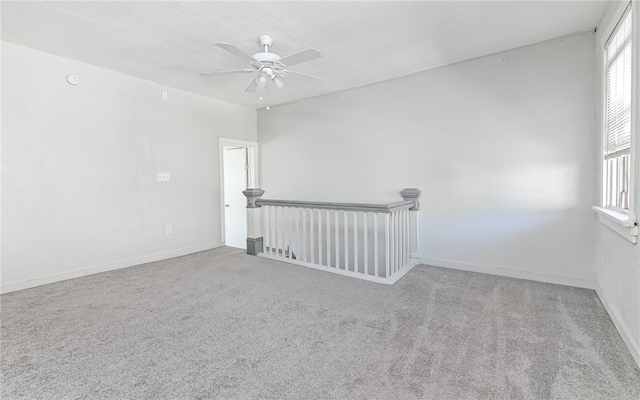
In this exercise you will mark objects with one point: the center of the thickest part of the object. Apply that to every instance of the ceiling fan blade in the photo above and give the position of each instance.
(253, 87)
(236, 51)
(300, 57)
(231, 71)
(305, 77)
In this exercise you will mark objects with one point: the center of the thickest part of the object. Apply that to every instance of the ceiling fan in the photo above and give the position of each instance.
(269, 67)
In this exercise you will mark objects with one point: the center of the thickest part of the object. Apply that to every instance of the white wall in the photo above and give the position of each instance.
(617, 261)
(79, 167)
(502, 147)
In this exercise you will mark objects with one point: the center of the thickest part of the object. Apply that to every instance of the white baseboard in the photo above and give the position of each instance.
(413, 262)
(511, 273)
(12, 287)
(622, 328)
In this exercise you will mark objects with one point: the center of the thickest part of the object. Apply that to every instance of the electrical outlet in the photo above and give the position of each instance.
(164, 178)
(167, 230)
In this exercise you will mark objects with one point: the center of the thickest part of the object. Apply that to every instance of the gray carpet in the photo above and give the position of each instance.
(222, 324)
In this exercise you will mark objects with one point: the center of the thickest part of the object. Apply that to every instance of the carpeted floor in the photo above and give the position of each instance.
(222, 324)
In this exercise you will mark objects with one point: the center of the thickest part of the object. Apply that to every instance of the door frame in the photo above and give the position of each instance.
(252, 174)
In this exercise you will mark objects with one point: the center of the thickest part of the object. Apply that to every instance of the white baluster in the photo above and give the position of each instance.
(265, 222)
(328, 238)
(280, 231)
(319, 237)
(270, 230)
(280, 246)
(365, 243)
(399, 248)
(274, 221)
(402, 239)
(304, 234)
(265, 227)
(375, 244)
(396, 242)
(311, 235)
(287, 233)
(289, 230)
(406, 233)
(291, 233)
(297, 230)
(346, 241)
(355, 242)
(401, 228)
(387, 245)
(278, 211)
(406, 237)
(285, 236)
(337, 235)
(392, 231)
(276, 230)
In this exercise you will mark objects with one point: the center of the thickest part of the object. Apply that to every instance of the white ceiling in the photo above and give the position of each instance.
(362, 42)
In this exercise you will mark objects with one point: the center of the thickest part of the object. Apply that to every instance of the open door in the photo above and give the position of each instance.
(238, 171)
(236, 168)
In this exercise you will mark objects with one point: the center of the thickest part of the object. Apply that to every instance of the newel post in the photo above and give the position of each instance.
(254, 225)
(414, 195)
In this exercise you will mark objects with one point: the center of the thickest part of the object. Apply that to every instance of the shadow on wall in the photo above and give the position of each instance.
(522, 218)
(513, 238)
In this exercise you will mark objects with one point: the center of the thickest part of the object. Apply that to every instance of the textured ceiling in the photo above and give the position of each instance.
(362, 42)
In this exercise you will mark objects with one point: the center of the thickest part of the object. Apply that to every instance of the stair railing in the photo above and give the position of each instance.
(376, 242)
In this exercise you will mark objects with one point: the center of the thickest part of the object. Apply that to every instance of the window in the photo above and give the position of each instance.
(620, 122)
(617, 119)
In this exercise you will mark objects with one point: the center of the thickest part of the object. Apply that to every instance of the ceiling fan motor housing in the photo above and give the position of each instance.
(266, 57)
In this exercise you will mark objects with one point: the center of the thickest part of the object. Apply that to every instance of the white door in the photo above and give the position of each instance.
(235, 204)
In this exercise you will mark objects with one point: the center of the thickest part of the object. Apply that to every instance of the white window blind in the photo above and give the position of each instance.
(617, 140)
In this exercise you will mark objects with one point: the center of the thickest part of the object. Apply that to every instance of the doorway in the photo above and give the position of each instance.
(237, 173)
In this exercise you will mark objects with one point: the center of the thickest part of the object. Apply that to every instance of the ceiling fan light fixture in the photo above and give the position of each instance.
(262, 79)
(277, 81)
